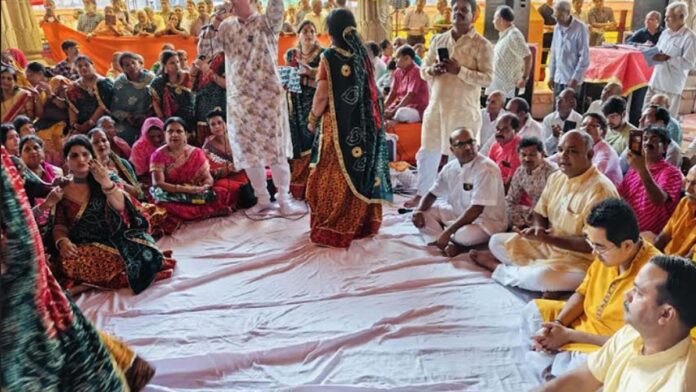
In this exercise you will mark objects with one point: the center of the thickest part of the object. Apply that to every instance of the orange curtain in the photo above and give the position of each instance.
(100, 49)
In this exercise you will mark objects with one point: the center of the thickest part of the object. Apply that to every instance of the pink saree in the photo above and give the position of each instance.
(189, 169)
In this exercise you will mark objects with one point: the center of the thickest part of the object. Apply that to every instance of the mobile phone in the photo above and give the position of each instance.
(569, 126)
(635, 142)
(442, 54)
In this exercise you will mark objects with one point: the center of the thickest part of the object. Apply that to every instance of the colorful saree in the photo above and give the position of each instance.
(209, 96)
(85, 102)
(174, 99)
(226, 181)
(50, 127)
(190, 168)
(18, 104)
(115, 249)
(299, 106)
(156, 216)
(132, 104)
(142, 149)
(49, 174)
(46, 342)
(350, 159)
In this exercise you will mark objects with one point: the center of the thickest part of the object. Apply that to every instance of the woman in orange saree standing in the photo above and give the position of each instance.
(350, 163)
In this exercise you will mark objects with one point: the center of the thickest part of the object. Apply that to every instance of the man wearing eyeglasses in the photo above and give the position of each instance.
(472, 205)
(552, 254)
(562, 333)
(678, 237)
(654, 351)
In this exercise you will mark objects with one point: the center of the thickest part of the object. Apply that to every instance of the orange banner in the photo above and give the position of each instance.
(100, 49)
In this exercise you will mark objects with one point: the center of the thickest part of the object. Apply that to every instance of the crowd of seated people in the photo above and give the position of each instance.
(574, 204)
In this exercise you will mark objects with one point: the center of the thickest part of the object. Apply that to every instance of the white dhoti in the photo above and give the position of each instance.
(442, 215)
(539, 277)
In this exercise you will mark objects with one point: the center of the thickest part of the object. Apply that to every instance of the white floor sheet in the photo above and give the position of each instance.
(254, 306)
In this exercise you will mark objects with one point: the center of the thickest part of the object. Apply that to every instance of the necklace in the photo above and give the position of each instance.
(79, 180)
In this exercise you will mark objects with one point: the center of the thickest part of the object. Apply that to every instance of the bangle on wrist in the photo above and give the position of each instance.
(559, 322)
(59, 240)
(109, 190)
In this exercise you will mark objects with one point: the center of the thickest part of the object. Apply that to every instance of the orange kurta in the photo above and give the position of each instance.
(682, 228)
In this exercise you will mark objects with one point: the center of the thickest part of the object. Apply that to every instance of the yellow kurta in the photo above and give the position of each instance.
(603, 289)
(620, 366)
(454, 99)
(565, 202)
(682, 228)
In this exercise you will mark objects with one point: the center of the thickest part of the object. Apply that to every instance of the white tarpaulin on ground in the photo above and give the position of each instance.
(254, 306)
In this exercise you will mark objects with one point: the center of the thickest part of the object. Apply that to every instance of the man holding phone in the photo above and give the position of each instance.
(564, 119)
(458, 64)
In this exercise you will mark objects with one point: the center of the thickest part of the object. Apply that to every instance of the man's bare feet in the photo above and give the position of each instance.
(453, 250)
(484, 258)
(412, 202)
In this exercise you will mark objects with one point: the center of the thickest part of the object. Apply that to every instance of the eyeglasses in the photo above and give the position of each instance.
(601, 250)
(462, 143)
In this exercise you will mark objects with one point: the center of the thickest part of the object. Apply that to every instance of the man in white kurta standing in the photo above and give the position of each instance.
(456, 89)
(676, 57)
(257, 119)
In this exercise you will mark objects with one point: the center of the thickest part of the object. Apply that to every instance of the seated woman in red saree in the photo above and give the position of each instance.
(31, 150)
(101, 237)
(89, 97)
(15, 100)
(181, 180)
(217, 149)
(171, 91)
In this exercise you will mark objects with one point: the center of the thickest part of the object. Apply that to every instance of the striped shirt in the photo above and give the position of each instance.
(652, 217)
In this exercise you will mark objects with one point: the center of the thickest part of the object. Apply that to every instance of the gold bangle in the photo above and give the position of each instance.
(312, 119)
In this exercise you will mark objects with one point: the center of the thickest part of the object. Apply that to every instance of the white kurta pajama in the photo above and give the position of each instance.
(257, 119)
(454, 99)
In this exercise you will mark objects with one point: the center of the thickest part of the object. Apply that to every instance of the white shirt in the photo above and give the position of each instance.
(531, 129)
(508, 59)
(455, 100)
(550, 141)
(670, 76)
(484, 187)
(380, 68)
(415, 21)
(487, 135)
(691, 151)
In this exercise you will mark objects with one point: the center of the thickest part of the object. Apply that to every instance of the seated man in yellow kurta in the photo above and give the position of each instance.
(678, 238)
(552, 254)
(561, 333)
(653, 353)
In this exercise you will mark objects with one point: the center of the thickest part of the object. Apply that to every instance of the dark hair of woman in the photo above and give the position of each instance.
(28, 138)
(164, 57)
(172, 120)
(82, 140)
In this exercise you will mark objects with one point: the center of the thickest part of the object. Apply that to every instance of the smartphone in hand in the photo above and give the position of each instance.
(635, 142)
(569, 126)
(442, 54)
